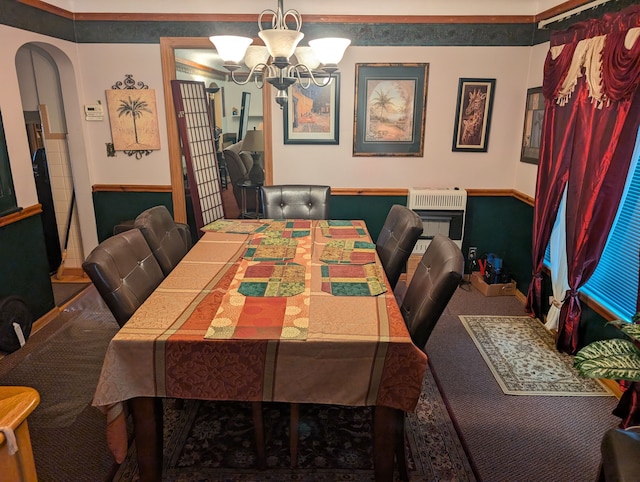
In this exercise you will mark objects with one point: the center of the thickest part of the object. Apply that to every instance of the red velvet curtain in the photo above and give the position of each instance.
(592, 113)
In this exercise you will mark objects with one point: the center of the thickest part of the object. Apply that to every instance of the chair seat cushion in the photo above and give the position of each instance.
(621, 455)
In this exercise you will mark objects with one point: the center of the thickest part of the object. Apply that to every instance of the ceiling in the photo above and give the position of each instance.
(325, 7)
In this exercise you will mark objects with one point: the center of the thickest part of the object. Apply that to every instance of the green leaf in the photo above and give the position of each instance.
(616, 359)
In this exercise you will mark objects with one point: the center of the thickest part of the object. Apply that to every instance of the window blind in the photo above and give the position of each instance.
(614, 283)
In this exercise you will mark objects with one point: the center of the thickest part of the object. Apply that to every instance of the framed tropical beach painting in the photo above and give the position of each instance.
(473, 114)
(390, 105)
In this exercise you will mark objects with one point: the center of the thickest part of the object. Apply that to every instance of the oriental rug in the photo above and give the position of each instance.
(211, 441)
(521, 354)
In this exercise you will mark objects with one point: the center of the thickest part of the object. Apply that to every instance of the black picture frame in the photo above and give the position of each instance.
(312, 115)
(532, 130)
(244, 115)
(390, 107)
(473, 115)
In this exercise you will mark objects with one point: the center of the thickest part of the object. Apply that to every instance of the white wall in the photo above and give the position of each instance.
(102, 65)
(439, 167)
(93, 68)
(526, 173)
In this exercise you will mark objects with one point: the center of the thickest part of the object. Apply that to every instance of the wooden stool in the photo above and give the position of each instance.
(16, 403)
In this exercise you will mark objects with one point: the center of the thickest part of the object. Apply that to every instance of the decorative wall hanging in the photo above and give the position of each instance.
(473, 114)
(532, 133)
(133, 117)
(390, 105)
(312, 115)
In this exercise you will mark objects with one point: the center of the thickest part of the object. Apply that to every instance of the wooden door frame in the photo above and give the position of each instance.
(168, 45)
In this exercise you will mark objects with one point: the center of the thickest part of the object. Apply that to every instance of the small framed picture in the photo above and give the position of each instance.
(473, 114)
(532, 132)
(312, 115)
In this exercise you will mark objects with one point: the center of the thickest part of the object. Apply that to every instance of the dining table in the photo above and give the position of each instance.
(266, 310)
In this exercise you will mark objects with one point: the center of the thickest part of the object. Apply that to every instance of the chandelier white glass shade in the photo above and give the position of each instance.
(273, 62)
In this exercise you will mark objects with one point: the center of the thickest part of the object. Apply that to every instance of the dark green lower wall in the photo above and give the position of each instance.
(371, 209)
(501, 225)
(494, 224)
(112, 208)
(24, 269)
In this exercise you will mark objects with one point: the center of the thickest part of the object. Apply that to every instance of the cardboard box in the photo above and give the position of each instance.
(498, 289)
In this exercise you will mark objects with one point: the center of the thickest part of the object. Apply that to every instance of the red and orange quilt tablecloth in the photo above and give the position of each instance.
(199, 336)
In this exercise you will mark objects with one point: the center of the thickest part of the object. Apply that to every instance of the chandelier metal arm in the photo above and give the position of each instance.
(279, 17)
(304, 73)
(251, 76)
(272, 63)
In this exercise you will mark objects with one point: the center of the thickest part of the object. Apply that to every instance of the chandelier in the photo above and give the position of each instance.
(273, 62)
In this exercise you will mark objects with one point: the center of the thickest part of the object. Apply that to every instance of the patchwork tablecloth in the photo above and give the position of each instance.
(312, 347)
(235, 226)
(343, 229)
(271, 249)
(291, 228)
(348, 251)
(353, 280)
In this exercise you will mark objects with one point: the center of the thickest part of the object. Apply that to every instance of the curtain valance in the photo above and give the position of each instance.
(606, 52)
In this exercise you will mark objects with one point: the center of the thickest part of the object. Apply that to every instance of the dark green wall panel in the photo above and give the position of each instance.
(24, 269)
(501, 225)
(112, 208)
(372, 209)
(29, 18)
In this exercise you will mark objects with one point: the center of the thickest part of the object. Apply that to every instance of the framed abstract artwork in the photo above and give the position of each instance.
(312, 115)
(390, 105)
(473, 114)
(532, 132)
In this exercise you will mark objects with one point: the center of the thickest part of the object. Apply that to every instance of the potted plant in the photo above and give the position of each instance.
(615, 358)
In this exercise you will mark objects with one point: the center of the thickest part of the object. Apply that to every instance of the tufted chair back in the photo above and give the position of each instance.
(296, 201)
(398, 236)
(124, 271)
(168, 242)
(436, 278)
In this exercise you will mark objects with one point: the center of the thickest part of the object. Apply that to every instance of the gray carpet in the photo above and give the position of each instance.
(63, 292)
(63, 361)
(509, 438)
(513, 438)
(213, 441)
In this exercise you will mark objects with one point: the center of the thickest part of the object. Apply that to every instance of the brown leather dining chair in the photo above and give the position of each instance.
(124, 271)
(396, 240)
(436, 279)
(168, 241)
(296, 201)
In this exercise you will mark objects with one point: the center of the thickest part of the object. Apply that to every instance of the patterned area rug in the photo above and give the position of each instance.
(209, 441)
(521, 354)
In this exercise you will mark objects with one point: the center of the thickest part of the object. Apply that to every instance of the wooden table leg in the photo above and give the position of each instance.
(147, 422)
(385, 435)
(294, 433)
(258, 427)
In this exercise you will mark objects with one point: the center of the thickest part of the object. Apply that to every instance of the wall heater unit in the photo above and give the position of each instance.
(442, 211)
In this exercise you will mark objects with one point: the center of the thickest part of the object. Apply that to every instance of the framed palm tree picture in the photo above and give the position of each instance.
(390, 105)
(134, 119)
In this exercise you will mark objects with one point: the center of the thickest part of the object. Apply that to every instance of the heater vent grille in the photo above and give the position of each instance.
(444, 199)
(442, 211)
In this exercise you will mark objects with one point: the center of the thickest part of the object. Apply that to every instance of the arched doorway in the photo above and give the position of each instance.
(50, 106)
